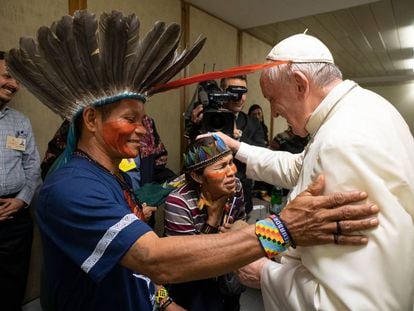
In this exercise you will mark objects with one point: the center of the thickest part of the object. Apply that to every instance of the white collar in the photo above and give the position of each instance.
(328, 103)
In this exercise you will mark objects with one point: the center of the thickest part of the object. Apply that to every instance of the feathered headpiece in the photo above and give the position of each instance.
(204, 152)
(79, 62)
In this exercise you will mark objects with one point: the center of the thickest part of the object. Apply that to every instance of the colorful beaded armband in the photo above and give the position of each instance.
(270, 237)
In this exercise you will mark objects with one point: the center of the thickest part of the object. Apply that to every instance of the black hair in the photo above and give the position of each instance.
(254, 107)
(2, 55)
(224, 80)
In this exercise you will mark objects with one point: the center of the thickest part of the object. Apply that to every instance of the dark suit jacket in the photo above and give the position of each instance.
(252, 134)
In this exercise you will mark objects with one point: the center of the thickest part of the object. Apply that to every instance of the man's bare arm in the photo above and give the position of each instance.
(310, 218)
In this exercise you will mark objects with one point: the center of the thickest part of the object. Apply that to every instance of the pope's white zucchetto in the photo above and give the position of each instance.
(301, 48)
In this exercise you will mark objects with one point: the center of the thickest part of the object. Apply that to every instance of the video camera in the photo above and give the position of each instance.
(215, 117)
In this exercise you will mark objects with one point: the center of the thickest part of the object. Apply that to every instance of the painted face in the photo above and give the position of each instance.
(236, 106)
(284, 101)
(258, 114)
(220, 178)
(122, 129)
(8, 85)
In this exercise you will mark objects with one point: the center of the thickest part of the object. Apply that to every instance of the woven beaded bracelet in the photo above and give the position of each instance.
(283, 230)
(270, 238)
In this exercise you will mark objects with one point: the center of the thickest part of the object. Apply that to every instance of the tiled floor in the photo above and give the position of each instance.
(251, 300)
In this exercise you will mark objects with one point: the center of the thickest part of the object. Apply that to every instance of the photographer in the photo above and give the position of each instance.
(242, 127)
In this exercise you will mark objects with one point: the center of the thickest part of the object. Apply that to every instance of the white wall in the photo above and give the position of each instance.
(254, 51)
(18, 19)
(402, 97)
(220, 50)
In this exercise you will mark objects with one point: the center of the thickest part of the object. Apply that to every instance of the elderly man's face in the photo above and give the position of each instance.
(284, 101)
(8, 85)
(122, 129)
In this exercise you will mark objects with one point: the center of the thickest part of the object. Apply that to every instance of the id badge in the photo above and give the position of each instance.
(16, 143)
(127, 165)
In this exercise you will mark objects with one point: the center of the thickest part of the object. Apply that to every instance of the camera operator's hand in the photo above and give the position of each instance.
(236, 132)
(197, 114)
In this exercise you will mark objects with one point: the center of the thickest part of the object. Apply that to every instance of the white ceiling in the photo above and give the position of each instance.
(252, 13)
(372, 41)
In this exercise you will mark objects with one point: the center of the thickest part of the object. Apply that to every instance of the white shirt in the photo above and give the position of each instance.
(359, 142)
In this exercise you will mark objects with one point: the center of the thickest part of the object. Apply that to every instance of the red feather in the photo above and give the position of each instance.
(231, 72)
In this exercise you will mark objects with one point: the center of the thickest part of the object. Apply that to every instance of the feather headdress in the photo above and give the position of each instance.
(80, 61)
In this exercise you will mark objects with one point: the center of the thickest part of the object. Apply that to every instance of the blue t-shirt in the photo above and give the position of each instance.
(86, 227)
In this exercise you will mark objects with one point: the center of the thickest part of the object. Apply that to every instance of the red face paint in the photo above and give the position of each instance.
(122, 129)
(221, 173)
(233, 168)
(117, 134)
(220, 178)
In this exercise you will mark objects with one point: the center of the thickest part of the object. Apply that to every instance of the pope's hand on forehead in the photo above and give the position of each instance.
(233, 144)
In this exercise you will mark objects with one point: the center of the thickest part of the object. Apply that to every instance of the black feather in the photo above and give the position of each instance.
(132, 45)
(77, 61)
(139, 65)
(24, 70)
(113, 38)
(85, 28)
(183, 60)
(64, 32)
(161, 52)
(51, 49)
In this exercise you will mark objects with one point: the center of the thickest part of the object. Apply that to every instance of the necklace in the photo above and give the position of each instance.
(134, 204)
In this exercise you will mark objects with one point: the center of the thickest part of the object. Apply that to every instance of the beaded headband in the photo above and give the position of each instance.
(204, 152)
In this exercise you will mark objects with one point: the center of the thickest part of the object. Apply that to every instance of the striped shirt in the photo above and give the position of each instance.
(19, 170)
(183, 217)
